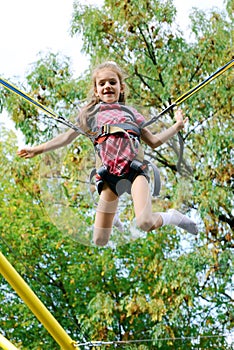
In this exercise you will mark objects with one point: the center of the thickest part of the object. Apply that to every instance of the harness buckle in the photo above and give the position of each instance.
(106, 129)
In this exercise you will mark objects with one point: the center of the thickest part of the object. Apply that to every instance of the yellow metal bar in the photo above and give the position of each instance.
(36, 306)
(6, 344)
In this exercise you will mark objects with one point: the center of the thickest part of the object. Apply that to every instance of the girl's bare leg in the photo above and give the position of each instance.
(145, 219)
(106, 209)
(149, 221)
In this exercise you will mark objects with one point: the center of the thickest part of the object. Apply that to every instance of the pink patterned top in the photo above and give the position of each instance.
(115, 152)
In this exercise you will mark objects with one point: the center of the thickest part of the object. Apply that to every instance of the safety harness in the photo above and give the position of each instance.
(137, 164)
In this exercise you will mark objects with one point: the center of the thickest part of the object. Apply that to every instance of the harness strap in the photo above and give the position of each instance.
(91, 176)
(136, 165)
(125, 128)
(138, 162)
(157, 181)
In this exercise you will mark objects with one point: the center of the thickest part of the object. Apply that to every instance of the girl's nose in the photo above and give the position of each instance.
(107, 85)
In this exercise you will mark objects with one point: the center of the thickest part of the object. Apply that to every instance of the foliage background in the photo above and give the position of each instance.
(171, 285)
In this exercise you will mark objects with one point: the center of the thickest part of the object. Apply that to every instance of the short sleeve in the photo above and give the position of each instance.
(140, 119)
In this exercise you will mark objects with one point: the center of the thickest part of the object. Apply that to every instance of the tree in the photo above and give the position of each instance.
(168, 285)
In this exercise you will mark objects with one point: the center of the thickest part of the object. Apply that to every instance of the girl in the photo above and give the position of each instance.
(115, 130)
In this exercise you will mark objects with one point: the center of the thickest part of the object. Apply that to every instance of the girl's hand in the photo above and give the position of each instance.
(26, 153)
(179, 117)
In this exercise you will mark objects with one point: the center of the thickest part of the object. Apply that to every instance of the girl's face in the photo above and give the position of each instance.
(108, 86)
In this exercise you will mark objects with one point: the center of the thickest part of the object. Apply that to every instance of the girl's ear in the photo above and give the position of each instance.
(95, 92)
(122, 87)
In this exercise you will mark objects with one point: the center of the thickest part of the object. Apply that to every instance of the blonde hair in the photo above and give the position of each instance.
(94, 100)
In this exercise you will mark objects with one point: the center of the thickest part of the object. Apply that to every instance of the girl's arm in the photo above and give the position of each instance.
(57, 142)
(156, 140)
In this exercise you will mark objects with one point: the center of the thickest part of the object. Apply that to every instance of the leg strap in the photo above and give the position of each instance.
(138, 165)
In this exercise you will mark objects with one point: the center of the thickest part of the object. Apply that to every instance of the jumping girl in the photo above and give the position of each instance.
(115, 130)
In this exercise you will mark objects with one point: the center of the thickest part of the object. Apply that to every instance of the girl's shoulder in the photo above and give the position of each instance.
(134, 112)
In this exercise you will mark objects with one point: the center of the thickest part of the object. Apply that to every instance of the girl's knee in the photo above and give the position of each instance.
(100, 241)
(149, 223)
(144, 224)
(101, 236)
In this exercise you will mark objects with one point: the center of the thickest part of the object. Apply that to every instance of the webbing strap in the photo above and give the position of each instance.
(157, 180)
(136, 165)
(109, 129)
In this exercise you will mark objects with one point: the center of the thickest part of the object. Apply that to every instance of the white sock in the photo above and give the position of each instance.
(117, 223)
(174, 217)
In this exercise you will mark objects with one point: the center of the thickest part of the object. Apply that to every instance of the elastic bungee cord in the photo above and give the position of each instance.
(66, 122)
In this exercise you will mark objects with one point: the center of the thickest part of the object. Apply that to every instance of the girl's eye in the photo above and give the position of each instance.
(111, 82)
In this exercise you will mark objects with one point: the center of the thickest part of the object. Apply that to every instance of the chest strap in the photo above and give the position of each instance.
(108, 129)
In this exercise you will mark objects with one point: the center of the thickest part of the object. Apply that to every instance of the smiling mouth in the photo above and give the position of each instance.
(109, 93)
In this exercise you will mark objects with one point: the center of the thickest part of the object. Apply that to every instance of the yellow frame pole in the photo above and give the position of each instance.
(6, 344)
(36, 306)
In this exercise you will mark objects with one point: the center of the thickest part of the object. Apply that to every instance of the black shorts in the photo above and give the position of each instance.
(119, 184)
